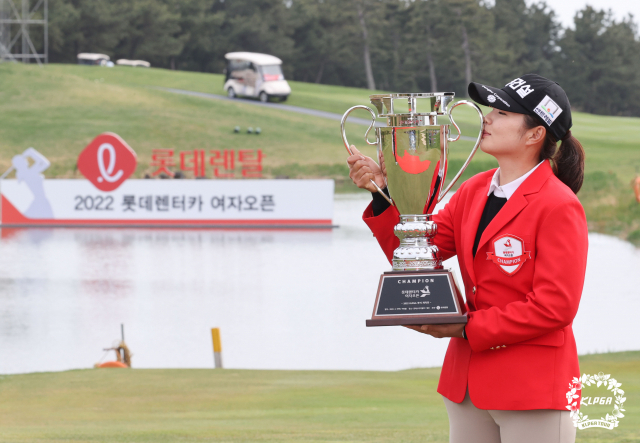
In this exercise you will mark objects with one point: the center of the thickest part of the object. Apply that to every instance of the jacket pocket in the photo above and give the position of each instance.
(555, 338)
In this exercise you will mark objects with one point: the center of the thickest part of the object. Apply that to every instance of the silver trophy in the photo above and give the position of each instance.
(415, 150)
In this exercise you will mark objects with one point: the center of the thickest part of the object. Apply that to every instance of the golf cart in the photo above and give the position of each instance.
(250, 74)
(88, 58)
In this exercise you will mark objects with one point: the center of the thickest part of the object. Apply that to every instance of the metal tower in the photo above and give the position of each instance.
(14, 27)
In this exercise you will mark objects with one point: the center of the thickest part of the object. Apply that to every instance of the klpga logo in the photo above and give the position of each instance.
(107, 161)
(602, 390)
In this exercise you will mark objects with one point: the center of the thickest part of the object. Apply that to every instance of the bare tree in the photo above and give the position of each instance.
(467, 53)
(321, 70)
(432, 65)
(371, 84)
(465, 48)
(432, 73)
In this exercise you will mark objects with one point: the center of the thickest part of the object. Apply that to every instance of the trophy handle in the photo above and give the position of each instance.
(347, 145)
(449, 139)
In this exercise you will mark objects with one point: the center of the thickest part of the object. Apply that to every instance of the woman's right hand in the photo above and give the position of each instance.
(363, 169)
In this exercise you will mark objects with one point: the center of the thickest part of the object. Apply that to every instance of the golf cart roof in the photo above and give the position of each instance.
(134, 63)
(92, 56)
(254, 57)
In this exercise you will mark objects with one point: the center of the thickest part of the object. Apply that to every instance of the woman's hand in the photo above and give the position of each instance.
(363, 169)
(439, 331)
(383, 166)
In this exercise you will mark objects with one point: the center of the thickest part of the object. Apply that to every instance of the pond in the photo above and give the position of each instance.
(283, 299)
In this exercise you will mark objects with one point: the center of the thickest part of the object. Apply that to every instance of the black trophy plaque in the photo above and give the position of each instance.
(417, 298)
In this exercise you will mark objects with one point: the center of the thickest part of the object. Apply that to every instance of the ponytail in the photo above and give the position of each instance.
(567, 160)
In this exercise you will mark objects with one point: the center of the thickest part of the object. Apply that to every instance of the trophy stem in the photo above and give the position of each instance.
(416, 251)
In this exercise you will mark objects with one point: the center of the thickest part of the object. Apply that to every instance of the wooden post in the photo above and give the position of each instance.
(217, 347)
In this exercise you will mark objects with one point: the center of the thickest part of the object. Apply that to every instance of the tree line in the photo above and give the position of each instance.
(395, 45)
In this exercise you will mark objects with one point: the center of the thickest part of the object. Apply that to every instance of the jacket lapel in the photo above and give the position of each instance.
(473, 219)
(516, 203)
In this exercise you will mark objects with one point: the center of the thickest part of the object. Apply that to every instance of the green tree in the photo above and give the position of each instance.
(523, 40)
(397, 45)
(324, 33)
(152, 31)
(599, 63)
(257, 26)
(204, 47)
(84, 26)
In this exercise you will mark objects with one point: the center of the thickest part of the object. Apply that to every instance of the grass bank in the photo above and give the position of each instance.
(254, 406)
(58, 109)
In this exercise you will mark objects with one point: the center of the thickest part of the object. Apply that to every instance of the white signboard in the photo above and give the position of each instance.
(169, 202)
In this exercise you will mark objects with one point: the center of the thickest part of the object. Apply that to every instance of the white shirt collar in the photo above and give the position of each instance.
(506, 191)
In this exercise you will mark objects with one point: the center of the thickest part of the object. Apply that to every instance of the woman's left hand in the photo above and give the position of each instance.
(439, 331)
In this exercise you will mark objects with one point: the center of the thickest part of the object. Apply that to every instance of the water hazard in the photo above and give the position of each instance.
(283, 299)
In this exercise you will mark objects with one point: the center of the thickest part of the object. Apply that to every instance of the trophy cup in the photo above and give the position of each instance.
(415, 149)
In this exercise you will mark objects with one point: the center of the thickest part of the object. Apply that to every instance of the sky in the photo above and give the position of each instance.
(566, 9)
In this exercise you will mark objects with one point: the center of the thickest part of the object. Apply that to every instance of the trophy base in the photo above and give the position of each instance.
(424, 320)
(418, 298)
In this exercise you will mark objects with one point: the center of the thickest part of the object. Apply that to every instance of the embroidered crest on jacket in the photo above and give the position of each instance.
(508, 253)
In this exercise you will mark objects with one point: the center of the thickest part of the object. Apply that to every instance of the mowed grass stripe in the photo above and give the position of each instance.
(143, 405)
(197, 405)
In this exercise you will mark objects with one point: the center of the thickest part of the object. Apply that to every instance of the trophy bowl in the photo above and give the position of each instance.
(415, 151)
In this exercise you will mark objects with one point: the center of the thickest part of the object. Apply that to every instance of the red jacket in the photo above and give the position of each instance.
(522, 290)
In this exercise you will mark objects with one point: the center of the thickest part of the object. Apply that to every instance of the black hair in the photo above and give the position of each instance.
(567, 160)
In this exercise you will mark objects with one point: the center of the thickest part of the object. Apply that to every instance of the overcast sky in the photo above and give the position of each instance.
(566, 9)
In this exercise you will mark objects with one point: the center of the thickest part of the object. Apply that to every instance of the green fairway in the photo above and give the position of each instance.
(59, 109)
(56, 105)
(106, 405)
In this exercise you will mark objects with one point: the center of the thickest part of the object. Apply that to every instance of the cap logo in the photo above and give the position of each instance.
(524, 91)
(515, 83)
(495, 97)
(520, 87)
(548, 110)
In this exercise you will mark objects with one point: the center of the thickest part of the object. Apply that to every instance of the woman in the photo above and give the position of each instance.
(520, 235)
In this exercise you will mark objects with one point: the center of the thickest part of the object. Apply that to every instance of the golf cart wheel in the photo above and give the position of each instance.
(284, 98)
(231, 93)
(264, 97)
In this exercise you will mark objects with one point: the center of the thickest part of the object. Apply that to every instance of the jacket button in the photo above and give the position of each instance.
(474, 290)
(504, 346)
(491, 348)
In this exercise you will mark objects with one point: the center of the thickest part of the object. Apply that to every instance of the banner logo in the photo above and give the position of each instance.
(509, 253)
(609, 395)
(107, 161)
(29, 167)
